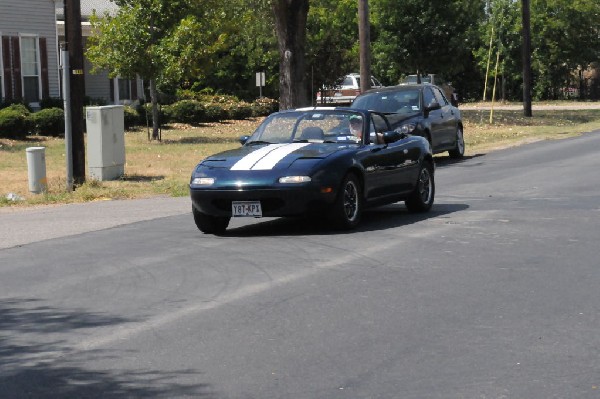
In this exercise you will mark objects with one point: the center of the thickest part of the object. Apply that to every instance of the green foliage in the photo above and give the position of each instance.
(14, 123)
(264, 106)
(49, 122)
(239, 111)
(566, 37)
(131, 117)
(424, 36)
(332, 46)
(186, 111)
(19, 107)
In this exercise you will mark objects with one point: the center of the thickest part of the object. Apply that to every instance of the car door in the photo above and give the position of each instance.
(435, 119)
(387, 166)
(449, 121)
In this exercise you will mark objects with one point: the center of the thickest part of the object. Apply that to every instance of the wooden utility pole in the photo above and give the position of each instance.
(74, 43)
(526, 58)
(364, 37)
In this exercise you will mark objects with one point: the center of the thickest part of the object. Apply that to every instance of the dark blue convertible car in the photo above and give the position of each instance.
(333, 162)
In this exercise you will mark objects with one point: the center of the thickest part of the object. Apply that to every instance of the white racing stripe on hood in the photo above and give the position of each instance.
(249, 160)
(267, 157)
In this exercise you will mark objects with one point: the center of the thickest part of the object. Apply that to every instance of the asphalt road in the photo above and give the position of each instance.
(493, 294)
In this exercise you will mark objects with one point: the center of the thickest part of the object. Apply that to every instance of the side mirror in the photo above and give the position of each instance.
(243, 139)
(433, 106)
(392, 136)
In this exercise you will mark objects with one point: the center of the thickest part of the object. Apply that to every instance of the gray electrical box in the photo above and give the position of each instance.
(105, 142)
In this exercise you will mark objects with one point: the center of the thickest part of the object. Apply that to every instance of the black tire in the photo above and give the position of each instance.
(210, 224)
(459, 150)
(348, 205)
(421, 199)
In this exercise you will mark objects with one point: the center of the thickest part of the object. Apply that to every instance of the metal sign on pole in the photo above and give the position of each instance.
(64, 53)
(260, 82)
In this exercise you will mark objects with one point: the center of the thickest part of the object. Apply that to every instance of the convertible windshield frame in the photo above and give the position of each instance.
(314, 125)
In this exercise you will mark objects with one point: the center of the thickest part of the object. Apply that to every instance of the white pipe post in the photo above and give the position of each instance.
(67, 108)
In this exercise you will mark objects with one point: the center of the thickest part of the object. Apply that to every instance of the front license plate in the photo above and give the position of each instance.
(246, 208)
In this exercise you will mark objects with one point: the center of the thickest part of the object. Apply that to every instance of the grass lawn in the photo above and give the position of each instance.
(164, 168)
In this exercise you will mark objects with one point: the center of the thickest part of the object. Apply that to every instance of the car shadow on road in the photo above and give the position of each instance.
(376, 219)
(442, 161)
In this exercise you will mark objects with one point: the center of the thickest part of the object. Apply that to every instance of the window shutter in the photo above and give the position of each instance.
(111, 84)
(44, 68)
(7, 70)
(16, 68)
(134, 94)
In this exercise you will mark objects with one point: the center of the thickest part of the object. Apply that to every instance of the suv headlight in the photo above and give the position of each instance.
(407, 128)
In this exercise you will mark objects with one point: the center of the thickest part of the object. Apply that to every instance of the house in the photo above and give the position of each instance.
(98, 86)
(29, 58)
(31, 31)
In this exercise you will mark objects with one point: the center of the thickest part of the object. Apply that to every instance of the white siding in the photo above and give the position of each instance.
(35, 17)
(96, 85)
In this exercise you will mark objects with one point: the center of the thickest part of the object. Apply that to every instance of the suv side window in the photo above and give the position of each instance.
(441, 98)
(428, 96)
(348, 81)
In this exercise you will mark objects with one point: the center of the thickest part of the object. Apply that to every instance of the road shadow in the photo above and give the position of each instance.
(35, 362)
(376, 219)
(443, 161)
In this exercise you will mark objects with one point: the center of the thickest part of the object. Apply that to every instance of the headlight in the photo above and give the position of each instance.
(203, 181)
(294, 179)
(407, 128)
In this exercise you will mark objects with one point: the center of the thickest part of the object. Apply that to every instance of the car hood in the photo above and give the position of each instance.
(271, 156)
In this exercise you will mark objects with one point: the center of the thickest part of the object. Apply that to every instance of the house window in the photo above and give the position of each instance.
(30, 69)
(124, 89)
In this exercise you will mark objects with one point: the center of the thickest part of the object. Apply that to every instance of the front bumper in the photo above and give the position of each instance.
(285, 201)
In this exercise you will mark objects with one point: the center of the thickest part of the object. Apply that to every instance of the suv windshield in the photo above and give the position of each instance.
(404, 101)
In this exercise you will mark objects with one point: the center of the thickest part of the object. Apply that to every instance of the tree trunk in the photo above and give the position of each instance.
(154, 101)
(364, 37)
(290, 25)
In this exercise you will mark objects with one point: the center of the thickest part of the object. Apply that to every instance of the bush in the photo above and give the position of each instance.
(15, 103)
(186, 111)
(20, 108)
(13, 123)
(264, 106)
(215, 112)
(49, 122)
(52, 102)
(132, 117)
(241, 110)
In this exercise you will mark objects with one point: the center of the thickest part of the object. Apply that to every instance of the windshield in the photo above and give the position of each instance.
(308, 126)
(402, 101)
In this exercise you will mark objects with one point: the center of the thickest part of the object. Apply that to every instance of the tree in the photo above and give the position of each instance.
(503, 26)
(566, 37)
(162, 41)
(434, 36)
(250, 48)
(290, 27)
(332, 45)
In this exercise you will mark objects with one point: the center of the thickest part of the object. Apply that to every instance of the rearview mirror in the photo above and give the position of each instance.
(243, 139)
